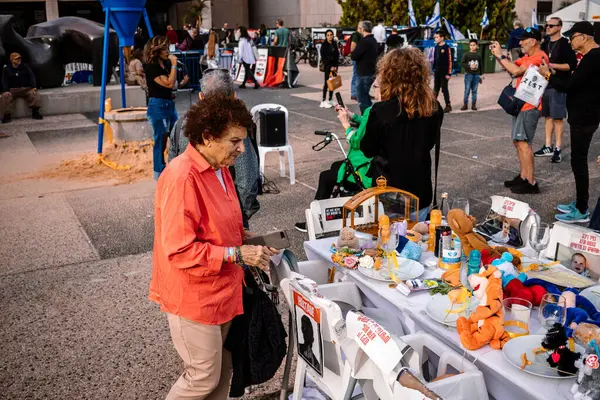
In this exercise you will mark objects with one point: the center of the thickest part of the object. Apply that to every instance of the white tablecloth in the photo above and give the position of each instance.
(503, 380)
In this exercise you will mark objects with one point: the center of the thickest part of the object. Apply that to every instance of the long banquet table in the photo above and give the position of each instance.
(503, 380)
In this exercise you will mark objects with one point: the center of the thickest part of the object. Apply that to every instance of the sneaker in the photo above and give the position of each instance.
(574, 217)
(556, 157)
(514, 182)
(525, 188)
(331, 103)
(544, 152)
(465, 107)
(326, 104)
(36, 115)
(322, 105)
(301, 226)
(567, 208)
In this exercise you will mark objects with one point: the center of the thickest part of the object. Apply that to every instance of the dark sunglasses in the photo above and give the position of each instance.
(551, 26)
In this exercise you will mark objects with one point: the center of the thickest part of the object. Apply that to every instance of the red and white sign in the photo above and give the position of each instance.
(510, 208)
(374, 340)
(586, 242)
(307, 319)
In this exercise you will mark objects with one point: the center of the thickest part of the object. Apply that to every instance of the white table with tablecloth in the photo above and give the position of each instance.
(503, 380)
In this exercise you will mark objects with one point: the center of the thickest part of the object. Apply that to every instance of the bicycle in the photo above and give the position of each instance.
(345, 188)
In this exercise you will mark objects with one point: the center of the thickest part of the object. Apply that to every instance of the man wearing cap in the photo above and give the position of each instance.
(583, 108)
(19, 82)
(525, 123)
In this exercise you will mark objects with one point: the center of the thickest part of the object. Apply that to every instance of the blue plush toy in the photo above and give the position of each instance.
(579, 309)
(408, 249)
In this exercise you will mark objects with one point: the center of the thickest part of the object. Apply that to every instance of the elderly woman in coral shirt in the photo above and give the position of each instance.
(198, 236)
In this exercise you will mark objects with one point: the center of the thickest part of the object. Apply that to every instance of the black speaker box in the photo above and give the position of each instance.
(272, 128)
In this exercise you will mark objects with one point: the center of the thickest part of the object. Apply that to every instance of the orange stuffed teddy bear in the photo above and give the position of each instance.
(462, 225)
(486, 324)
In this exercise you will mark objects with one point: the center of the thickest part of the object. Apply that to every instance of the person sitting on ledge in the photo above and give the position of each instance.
(19, 81)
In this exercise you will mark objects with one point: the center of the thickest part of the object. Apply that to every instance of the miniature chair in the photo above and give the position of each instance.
(286, 148)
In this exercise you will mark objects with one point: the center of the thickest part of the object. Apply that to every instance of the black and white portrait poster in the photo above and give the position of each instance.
(308, 331)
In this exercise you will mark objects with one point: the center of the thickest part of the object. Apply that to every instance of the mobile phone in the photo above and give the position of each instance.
(277, 240)
(339, 99)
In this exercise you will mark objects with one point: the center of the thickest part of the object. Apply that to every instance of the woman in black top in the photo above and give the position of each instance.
(161, 75)
(330, 56)
(404, 127)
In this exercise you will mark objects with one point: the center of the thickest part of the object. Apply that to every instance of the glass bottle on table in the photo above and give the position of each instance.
(445, 208)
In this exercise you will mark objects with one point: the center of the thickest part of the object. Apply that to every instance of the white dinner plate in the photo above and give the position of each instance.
(514, 349)
(408, 269)
(381, 275)
(592, 294)
(438, 307)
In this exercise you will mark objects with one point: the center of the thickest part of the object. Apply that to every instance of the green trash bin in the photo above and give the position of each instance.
(489, 61)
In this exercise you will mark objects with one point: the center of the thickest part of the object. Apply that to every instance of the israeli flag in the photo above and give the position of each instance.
(534, 23)
(485, 21)
(434, 21)
(412, 19)
(454, 33)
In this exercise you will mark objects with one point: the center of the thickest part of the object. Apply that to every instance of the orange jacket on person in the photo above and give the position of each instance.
(194, 220)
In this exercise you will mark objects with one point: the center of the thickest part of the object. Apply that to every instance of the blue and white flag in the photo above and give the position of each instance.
(434, 21)
(485, 21)
(534, 23)
(412, 19)
(454, 33)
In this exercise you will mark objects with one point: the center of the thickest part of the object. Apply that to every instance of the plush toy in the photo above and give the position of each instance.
(579, 309)
(486, 324)
(516, 288)
(561, 358)
(587, 386)
(462, 225)
(348, 239)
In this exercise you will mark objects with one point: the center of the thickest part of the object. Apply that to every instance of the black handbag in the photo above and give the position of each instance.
(509, 102)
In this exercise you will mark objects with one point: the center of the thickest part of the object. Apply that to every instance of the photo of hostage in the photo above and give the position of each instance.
(306, 349)
(579, 264)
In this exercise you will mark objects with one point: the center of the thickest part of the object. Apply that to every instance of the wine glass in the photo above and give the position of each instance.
(539, 237)
(462, 204)
(553, 310)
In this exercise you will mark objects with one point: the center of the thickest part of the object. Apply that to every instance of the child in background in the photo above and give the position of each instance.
(579, 264)
(473, 66)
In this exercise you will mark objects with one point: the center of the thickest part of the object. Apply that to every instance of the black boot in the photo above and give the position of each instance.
(474, 106)
(448, 108)
(35, 113)
(465, 107)
(7, 118)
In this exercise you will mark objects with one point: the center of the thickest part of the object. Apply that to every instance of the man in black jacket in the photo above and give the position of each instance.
(442, 68)
(19, 82)
(583, 108)
(365, 55)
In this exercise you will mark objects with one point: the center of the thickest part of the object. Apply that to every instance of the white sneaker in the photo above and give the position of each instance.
(322, 105)
(326, 104)
(332, 103)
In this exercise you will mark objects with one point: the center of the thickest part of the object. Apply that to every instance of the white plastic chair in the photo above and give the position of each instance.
(317, 224)
(318, 271)
(337, 381)
(468, 383)
(287, 148)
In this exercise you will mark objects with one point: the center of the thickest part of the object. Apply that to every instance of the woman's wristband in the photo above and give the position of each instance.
(238, 253)
(230, 255)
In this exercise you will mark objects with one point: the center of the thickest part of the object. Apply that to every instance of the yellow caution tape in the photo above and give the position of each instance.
(112, 164)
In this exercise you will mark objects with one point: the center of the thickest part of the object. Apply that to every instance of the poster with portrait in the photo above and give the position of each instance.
(307, 322)
(582, 254)
(504, 222)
